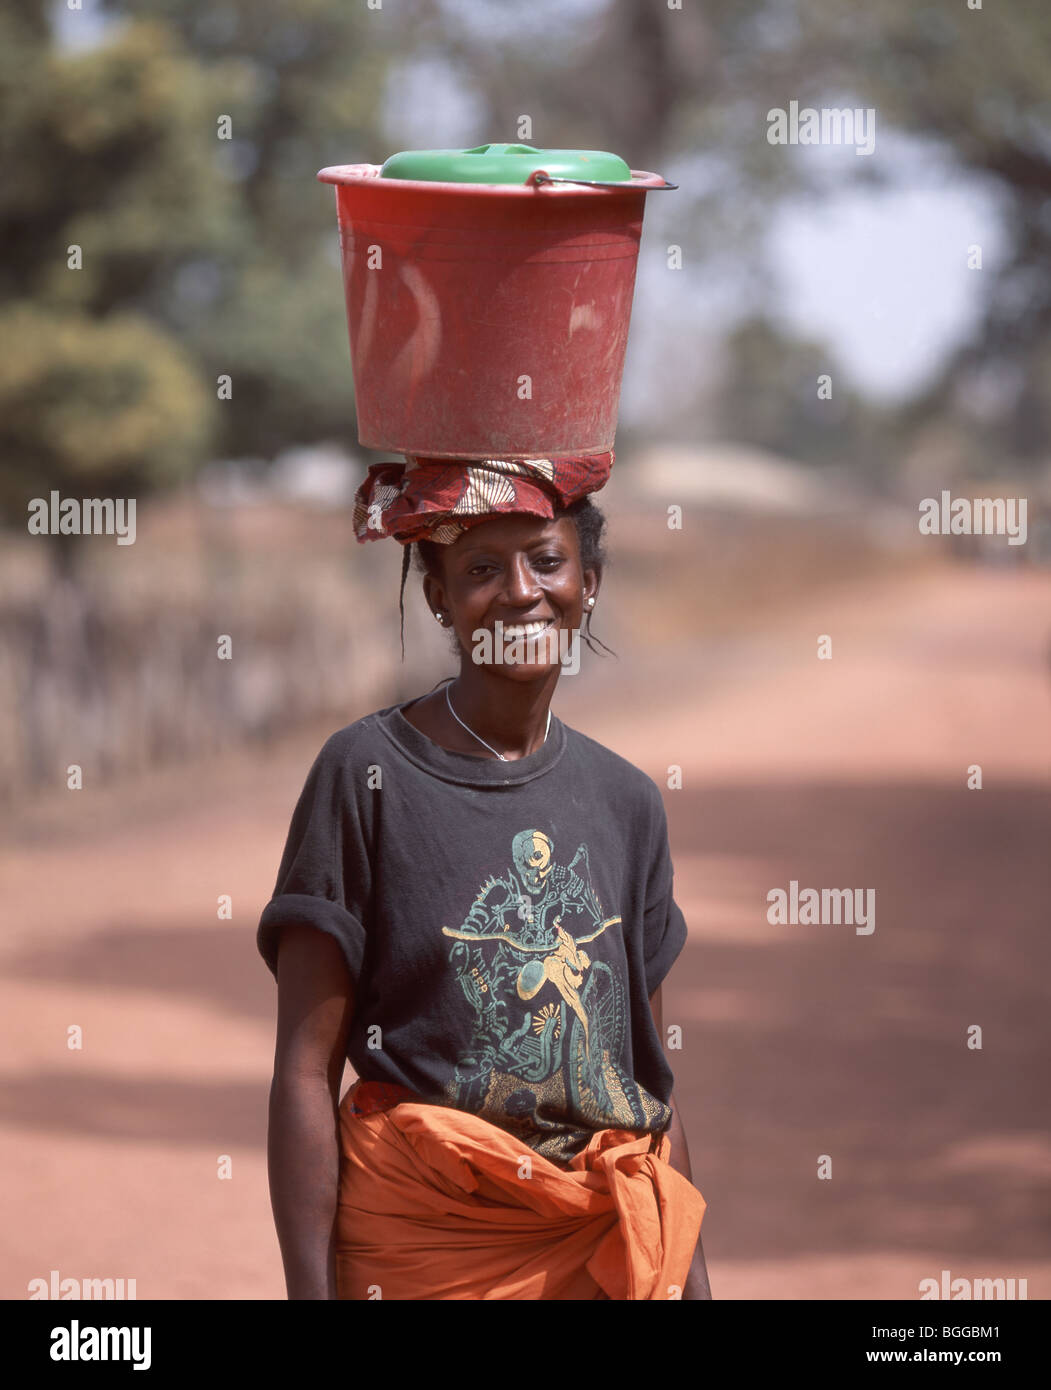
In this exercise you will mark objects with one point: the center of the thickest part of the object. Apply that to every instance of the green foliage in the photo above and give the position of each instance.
(285, 330)
(94, 406)
(198, 256)
(310, 82)
(107, 152)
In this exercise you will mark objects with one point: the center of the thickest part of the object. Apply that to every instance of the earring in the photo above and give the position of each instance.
(441, 618)
(590, 602)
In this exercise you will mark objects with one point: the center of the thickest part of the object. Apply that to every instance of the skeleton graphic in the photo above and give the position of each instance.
(540, 1066)
(536, 902)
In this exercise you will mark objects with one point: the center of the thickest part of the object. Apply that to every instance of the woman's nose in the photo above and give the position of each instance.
(522, 583)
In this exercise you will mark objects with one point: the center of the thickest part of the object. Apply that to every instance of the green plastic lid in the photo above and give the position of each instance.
(504, 164)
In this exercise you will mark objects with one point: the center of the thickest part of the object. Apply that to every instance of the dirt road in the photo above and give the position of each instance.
(799, 1041)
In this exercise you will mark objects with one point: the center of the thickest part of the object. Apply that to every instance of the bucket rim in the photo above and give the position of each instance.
(641, 181)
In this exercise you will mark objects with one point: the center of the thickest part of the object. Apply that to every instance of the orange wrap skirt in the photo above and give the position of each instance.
(437, 1203)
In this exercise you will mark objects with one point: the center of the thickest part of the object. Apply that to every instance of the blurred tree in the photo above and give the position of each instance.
(94, 408)
(791, 397)
(688, 90)
(145, 257)
(302, 82)
(974, 84)
(107, 187)
(103, 150)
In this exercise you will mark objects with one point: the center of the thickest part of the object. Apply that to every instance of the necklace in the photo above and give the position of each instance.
(482, 740)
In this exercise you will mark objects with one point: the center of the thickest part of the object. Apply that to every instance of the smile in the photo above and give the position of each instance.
(518, 630)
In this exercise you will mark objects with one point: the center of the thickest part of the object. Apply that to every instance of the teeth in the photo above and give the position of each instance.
(526, 629)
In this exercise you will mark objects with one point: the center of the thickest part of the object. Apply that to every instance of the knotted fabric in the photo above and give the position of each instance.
(437, 1203)
(439, 499)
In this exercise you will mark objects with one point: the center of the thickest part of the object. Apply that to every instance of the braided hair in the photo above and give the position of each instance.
(590, 522)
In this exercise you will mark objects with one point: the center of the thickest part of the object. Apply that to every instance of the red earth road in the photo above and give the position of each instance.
(798, 1041)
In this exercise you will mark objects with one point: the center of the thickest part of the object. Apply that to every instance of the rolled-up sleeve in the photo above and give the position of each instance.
(324, 880)
(664, 927)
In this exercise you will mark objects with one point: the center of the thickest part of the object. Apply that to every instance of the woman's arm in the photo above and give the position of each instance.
(696, 1286)
(314, 1009)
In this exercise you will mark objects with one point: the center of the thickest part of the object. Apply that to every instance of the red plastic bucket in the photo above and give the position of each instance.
(487, 320)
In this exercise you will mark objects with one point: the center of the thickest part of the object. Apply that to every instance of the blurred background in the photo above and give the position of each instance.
(915, 278)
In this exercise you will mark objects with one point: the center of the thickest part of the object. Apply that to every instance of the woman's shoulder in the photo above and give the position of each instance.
(617, 772)
(356, 740)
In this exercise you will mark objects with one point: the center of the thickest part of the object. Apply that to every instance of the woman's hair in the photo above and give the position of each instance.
(590, 522)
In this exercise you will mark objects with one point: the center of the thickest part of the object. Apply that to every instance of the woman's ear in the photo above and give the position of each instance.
(432, 592)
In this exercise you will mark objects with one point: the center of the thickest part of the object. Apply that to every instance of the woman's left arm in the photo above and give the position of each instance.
(696, 1286)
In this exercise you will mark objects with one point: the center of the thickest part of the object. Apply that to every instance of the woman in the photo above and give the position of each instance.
(475, 907)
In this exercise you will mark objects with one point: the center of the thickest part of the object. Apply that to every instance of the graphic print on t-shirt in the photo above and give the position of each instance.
(551, 1014)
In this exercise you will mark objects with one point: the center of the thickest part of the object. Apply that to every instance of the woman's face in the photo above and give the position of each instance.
(516, 570)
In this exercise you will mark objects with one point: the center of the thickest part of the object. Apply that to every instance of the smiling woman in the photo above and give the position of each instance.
(512, 593)
(535, 630)
(475, 908)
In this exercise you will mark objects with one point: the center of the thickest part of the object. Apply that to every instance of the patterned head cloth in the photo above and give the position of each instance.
(439, 499)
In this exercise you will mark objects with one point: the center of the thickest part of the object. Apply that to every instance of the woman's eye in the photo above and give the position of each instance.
(550, 561)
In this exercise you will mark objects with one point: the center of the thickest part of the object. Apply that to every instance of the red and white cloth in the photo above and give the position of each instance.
(439, 499)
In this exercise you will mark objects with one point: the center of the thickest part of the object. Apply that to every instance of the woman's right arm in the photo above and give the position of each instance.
(314, 1009)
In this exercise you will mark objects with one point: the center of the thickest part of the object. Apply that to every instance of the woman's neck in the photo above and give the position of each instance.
(510, 716)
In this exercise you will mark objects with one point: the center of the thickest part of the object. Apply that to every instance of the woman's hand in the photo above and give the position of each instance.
(696, 1285)
(314, 1011)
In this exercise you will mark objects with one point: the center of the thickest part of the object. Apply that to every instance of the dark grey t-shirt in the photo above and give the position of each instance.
(504, 924)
